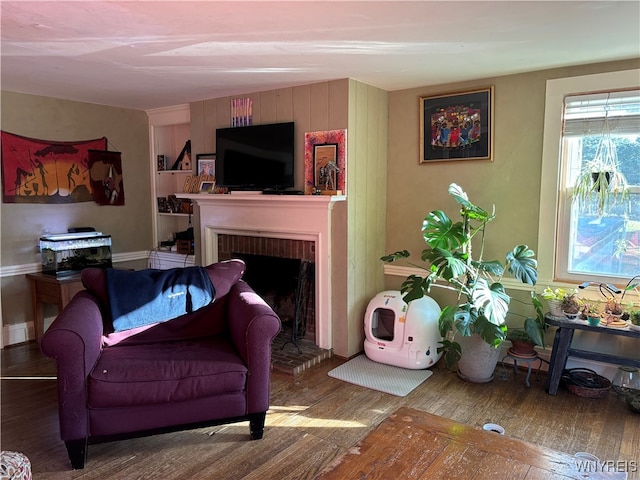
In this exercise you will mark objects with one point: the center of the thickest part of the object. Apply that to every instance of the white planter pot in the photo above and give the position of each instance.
(479, 359)
(555, 308)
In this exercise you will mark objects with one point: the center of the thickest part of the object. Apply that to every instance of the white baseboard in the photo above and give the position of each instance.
(17, 333)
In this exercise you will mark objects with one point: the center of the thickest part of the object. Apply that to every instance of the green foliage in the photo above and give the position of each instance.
(448, 262)
(536, 326)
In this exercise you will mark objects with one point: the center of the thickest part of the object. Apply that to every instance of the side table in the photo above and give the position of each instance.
(563, 349)
(53, 290)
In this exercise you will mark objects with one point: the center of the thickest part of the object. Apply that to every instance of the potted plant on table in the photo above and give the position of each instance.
(571, 305)
(555, 297)
(477, 319)
(593, 314)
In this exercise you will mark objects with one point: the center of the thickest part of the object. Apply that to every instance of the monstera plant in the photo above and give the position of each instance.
(449, 261)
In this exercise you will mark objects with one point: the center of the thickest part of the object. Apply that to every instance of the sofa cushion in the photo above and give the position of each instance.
(165, 373)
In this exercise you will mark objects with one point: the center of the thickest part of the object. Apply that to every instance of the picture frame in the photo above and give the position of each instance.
(326, 173)
(207, 186)
(457, 126)
(206, 164)
(321, 149)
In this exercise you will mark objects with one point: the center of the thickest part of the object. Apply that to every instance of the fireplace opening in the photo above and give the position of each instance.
(287, 285)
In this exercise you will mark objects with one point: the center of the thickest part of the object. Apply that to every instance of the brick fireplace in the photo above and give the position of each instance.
(281, 261)
(304, 221)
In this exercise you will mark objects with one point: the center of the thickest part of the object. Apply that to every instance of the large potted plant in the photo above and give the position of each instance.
(477, 319)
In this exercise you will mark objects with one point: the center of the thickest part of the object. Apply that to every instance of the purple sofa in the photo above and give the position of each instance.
(207, 367)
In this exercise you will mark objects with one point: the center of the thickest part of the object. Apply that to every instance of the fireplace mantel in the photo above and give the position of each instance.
(304, 217)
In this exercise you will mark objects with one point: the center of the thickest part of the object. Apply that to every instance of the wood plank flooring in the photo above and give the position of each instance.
(314, 419)
(451, 449)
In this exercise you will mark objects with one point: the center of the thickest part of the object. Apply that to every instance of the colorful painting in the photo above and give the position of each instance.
(325, 162)
(43, 171)
(457, 126)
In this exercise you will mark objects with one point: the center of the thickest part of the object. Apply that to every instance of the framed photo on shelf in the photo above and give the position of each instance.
(457, 126)
(207, 186)
(206, 163)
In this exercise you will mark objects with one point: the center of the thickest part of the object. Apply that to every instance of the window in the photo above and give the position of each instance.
(605, 126)
(578, 244)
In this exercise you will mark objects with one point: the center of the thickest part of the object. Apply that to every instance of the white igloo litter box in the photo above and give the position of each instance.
(401, 334)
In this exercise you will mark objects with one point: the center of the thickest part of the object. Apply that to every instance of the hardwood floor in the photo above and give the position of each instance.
(313, 420)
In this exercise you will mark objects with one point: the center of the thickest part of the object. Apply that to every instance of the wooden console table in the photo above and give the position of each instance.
(52, 290)
(562, 348)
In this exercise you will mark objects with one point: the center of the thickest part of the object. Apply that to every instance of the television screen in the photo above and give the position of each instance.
(256, 157)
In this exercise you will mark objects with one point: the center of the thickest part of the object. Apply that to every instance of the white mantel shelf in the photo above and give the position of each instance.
(304, 217)
(273, 200)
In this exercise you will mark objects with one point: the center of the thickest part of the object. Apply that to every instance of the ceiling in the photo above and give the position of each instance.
(149, 54)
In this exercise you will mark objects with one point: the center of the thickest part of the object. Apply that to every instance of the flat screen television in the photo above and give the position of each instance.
(257, 157)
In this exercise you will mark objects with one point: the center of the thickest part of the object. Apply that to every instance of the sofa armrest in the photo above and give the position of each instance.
(74, 339)
(253, 325)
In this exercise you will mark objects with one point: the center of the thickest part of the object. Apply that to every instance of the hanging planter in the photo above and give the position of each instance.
(601, 180)
(600, 183)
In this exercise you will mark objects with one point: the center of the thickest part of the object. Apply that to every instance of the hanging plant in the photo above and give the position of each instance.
(600, 181)
(604, 185)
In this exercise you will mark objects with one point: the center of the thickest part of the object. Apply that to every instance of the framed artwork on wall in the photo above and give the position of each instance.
(325, 162)
(457, 126)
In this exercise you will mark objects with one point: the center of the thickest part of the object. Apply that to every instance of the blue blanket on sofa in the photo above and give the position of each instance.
(143, 297)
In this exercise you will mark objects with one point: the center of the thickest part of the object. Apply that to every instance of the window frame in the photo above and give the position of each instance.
(549, 238)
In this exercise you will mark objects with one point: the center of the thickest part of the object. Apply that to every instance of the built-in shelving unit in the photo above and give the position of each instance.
(169, 130)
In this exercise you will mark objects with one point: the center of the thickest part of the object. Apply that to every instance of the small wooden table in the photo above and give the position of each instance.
(52, 290)
(562, 348)
(412, 444)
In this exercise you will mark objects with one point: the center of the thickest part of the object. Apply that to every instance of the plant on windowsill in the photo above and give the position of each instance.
(482, 302)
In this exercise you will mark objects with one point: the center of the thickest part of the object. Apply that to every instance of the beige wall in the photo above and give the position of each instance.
(359, 227)
(511, 181)
(127, 131)
(382, 214)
